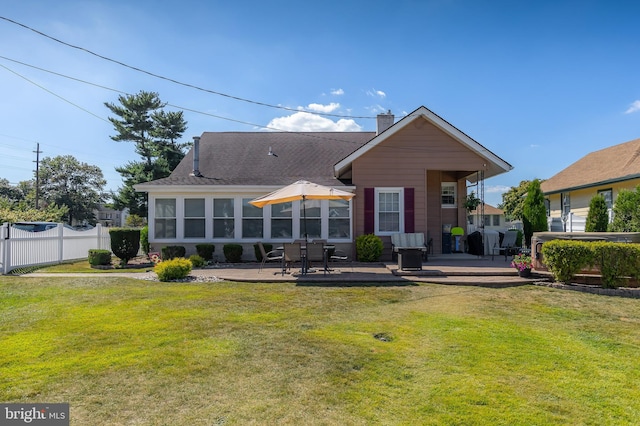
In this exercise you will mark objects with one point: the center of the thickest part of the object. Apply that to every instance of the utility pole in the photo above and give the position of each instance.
(37, 161)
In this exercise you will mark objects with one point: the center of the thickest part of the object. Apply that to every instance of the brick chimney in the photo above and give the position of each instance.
(196, 157)
(385, 121)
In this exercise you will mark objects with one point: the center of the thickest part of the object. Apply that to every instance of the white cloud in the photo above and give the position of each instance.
(376, 93)
(337, 92)
(635, 106)
(496, 189)
(308, 122)
(323, 108)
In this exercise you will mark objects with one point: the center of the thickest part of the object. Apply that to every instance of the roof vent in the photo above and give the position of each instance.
(196, 157)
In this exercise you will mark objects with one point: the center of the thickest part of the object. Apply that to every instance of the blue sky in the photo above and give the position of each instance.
(538, 83)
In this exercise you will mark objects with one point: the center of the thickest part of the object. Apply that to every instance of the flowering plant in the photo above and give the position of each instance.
(521, 262)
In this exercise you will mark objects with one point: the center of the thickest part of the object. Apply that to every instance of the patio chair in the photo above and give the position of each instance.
(272, 256)
(315, 253)
(508, 245)
(291, 253)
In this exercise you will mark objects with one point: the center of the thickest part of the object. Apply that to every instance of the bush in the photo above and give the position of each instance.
(196, 260)
(598, 216)
(99, 257)
(232, 253)
(565, 259)
(144, 240)
(256, 249)
(125, 243)
(368, 248)
(171, 252)
(205, 251)
(173, 269)
(616, 261)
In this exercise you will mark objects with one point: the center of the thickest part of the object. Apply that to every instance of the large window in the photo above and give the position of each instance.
(223, 222)
(281, 220)
(310, 209)
(389, 210)
(339, 219)
(448, 194)
(566, 204)
(194, 220)
(252, 223)
(165, 218)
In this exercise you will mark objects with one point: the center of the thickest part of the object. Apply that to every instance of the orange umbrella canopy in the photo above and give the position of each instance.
(301, 190)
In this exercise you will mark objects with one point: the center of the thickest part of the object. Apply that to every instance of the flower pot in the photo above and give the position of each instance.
(525, 273)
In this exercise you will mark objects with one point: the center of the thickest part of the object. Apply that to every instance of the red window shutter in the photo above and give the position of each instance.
(409, 210)
(369, 210)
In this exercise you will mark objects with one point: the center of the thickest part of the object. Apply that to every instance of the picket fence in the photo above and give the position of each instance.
(21, 249)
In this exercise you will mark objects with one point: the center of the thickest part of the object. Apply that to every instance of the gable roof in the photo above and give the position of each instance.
(614, 164)
(242, 158)
(488, 209)
(495, 165)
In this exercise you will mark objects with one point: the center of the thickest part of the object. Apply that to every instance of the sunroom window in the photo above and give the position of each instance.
(223, 221)
(165, 218)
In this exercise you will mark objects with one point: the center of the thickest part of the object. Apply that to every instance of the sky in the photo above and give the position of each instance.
(538, 83)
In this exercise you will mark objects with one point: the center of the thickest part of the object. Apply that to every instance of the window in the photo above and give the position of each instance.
(223, 222)
(310, 209)
(608, 197)
(566, 204)
(339, 219)
(194, 220)
(165, 218)
(252, 223)
(448, 194)
(389, 211)
(281, 220)
(496, 220)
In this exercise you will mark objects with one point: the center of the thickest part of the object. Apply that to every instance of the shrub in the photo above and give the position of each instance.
(196, 260)
(125, 243)
(171, 252)
(205, 251)
(99, 257)
(232, 253)
(368, 248)
(173, 269)
(616, 261)
(256, 249)
(144, 240)
(565, 259)
(598, 216)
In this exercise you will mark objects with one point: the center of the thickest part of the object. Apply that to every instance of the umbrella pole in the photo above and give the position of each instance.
(304, 215)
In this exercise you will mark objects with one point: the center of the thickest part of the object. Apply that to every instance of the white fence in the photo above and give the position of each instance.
(568, 223)
(19, 248)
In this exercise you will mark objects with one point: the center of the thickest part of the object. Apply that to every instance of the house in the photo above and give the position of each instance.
(107, 216)
(604, 172)
(409, 176)
(489, 217)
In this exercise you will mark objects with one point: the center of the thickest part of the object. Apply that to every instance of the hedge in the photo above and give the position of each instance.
(616, 261)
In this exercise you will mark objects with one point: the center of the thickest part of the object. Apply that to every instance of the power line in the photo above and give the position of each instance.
(237, 98)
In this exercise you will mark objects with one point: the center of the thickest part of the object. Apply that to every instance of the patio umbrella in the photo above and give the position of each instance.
(301, 190)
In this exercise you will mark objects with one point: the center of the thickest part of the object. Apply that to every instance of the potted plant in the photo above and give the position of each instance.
(523, 263)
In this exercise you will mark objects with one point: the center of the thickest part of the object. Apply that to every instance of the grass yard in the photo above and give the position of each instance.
(124, 351)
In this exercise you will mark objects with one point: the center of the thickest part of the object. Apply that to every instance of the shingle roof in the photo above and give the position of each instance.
(617, 163)
(488, 209)
(241, 158)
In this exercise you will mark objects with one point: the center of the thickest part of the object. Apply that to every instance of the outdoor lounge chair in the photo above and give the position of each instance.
(272, 256)
(508, 245)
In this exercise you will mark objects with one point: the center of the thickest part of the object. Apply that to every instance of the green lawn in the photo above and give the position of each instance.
(124, 351)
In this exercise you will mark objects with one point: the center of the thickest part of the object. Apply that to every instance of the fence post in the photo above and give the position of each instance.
(4, 247)
(99, 235)
(60, 242)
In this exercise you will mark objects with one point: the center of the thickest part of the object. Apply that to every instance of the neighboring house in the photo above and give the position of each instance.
(605, 172)
(409, 176)
(109, 217)
(490, 218)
